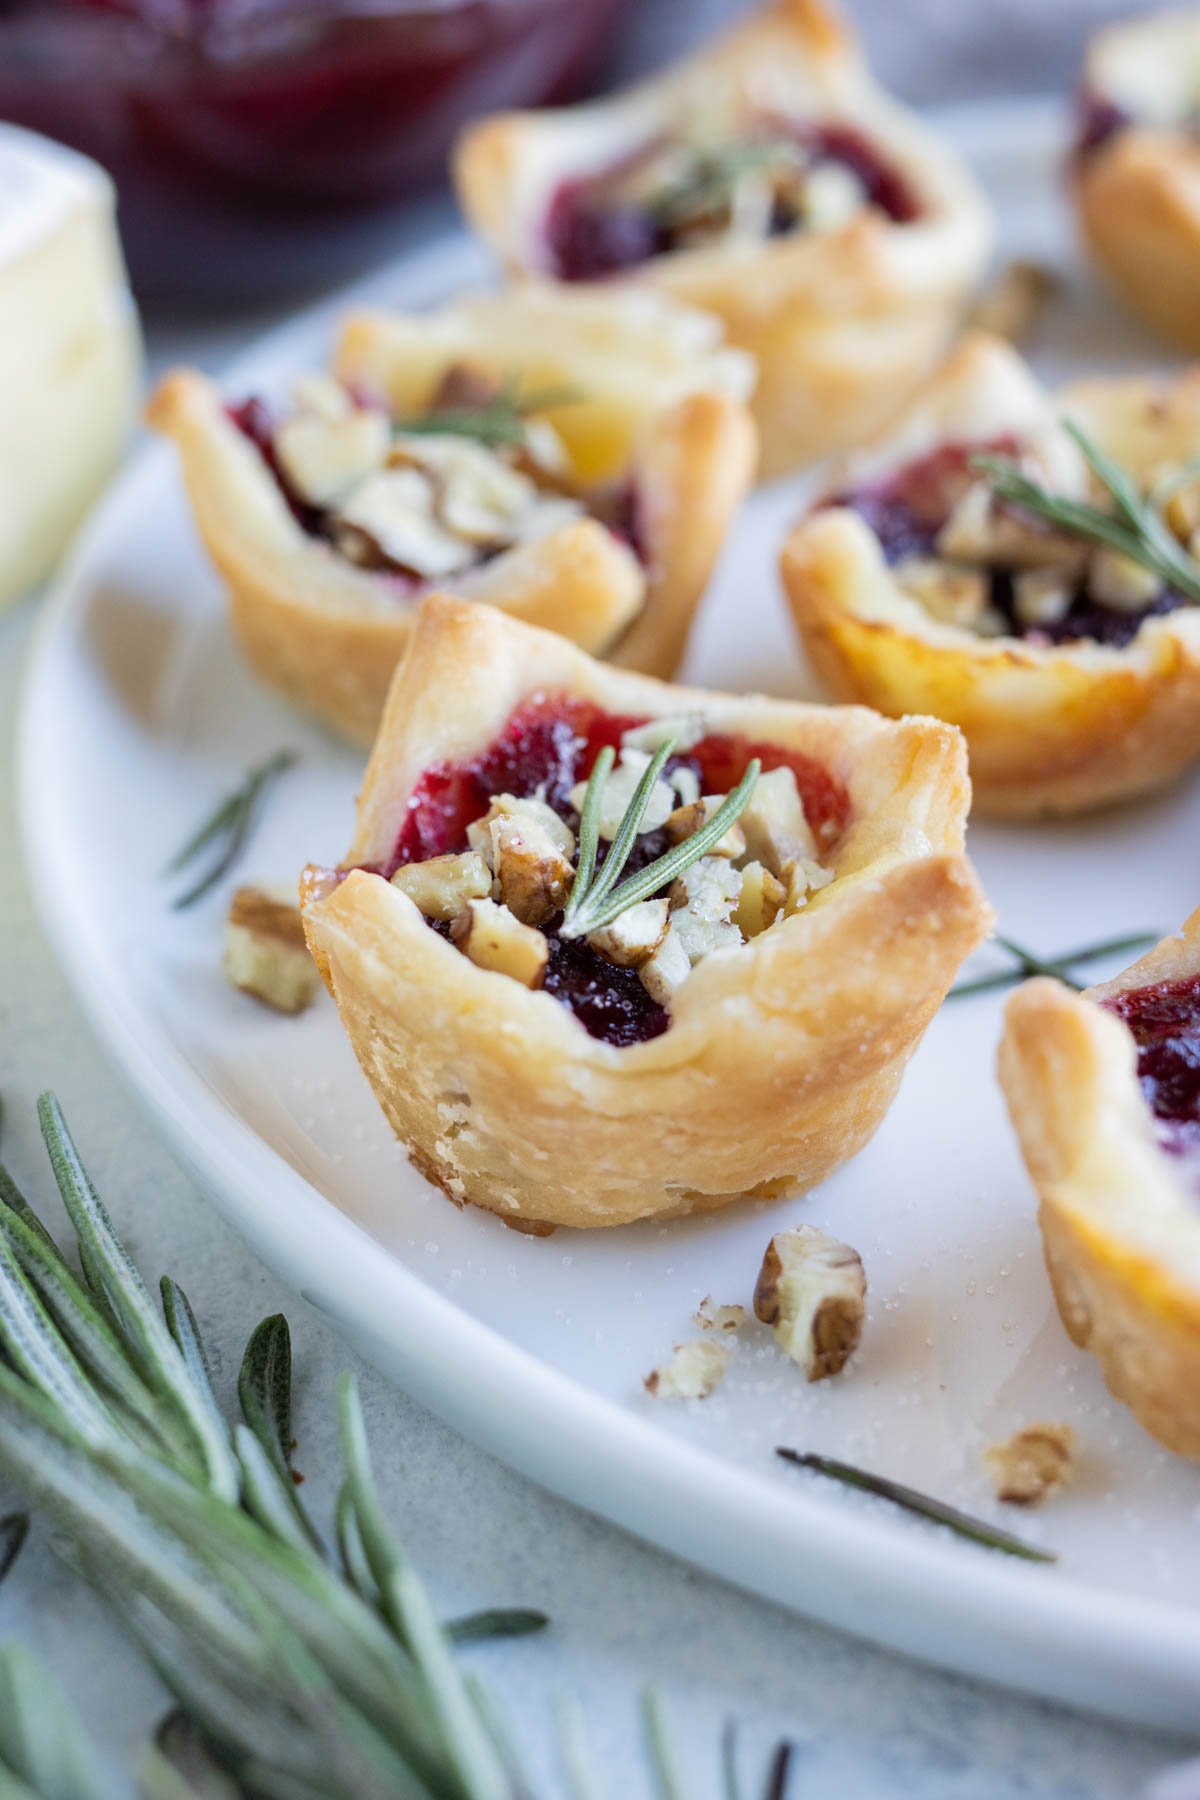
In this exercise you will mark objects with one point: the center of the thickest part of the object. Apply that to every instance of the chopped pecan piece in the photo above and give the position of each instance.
(494, 939)
(265, 951)
(442, 886)
(812, 1290)
(1033, 1463)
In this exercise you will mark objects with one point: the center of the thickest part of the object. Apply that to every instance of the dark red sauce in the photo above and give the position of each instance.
(1099, 120)
(555, 741)
(590, 233)
(907, 510)
(547, 746)
(1165, 1022)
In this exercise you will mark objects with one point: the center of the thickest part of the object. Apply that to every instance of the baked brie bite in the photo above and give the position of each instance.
(1136, 168)
(979, 564)
(608, 949)
(1104, 1092)
(768, 179)
(574, 464)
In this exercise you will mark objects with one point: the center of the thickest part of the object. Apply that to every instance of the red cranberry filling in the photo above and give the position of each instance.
(591, 233)
(907, 510)
(1165, 1021)
(547, 746)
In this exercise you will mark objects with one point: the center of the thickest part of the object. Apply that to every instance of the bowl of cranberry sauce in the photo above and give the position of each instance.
(260, 146)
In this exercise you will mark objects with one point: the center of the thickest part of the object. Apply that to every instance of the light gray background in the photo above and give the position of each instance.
(869, 1725)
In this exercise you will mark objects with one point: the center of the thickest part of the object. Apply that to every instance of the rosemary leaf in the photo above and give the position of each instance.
(1137, 528)
(777, 1774)
(1058, 967)
(230, 824)
(265, 1386)
(961, 1523)
(14, 1529)
(658, 1743)
(602, 911)
(589, 829)
(713, 178)
(497, 423)
(181, 1323)
(268, 1496)
(88, 1334)
(43, 1743)
(583, 908)
(350, 1548)
(152, 1348)
(729, 1761)
(407, 1608)
(495, 1622)
(575, 1753)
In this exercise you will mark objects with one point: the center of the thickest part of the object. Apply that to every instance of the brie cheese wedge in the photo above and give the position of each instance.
(70, 356)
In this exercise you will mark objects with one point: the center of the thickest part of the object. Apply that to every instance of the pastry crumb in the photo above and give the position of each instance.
(1033, 1463)
(812, 1291)
(265, 952)
(694, 1370)
(718, 1318)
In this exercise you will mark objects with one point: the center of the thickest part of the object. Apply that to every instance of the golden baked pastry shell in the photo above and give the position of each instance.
(1050, 729)
(842, 325)
(1120, 1231)
(781, 1058)
(328, 635)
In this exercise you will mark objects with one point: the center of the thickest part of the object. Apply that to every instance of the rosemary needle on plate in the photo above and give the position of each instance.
(228, 827)
(1060, 967)
(912, 1500)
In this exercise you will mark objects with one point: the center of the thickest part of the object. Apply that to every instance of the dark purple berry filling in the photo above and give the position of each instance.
(908, 509)
(1164, 1019)
(590, 232)
(1099, 120)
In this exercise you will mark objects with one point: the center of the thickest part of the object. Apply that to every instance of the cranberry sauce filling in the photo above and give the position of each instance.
(547, 746)
(1099, 120)
(590, 231)
(1165, 1021)
(908, 509)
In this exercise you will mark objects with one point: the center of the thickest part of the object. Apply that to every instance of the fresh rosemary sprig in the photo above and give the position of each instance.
(496, 423)
(306, 1673)
(712, 179)
(1060, 967)
(1136, 527)
(297, 1672)
(596, 899)
(912, 1500)
(229, 827)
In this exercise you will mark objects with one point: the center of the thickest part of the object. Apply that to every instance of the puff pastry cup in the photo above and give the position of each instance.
(1136, 170)
(1104, 1092)
(769, 180)
(616, 448)
(1074, 675)
(612, 1093)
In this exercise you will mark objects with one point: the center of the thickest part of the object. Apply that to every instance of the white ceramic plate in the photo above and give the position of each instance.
(138, 714)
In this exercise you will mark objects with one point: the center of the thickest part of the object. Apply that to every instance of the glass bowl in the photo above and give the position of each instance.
(261, 146)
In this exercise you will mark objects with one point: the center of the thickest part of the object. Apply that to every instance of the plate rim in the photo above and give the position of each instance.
(1045, 1632)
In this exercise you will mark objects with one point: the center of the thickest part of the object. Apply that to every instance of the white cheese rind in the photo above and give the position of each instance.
(70, 350)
